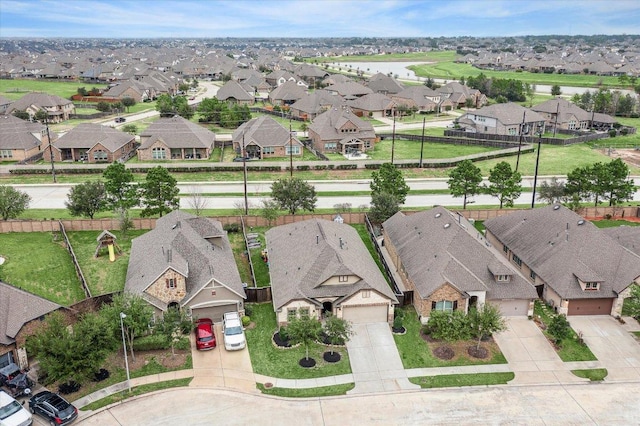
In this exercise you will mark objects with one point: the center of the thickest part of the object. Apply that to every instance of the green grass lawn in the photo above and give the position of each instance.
(102, 275)
(410, 150)
(50, 274)
(15, 89)
(364, 236)
(415, 352)
(332, 390)
(613, 223)
(456, 380)
(260, 268)
(237, 245)
(594, 374)
(283, 363)
(135, 391)
(569, 349)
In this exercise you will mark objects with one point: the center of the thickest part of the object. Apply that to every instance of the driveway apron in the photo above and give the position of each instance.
(611, 343)
(375, 362)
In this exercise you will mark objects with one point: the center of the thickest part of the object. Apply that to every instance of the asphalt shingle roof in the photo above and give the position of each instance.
(87, 135)
(16, 133)
(177, 132)
(264, 131)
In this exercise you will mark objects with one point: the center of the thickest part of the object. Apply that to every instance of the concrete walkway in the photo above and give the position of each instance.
(375, 361)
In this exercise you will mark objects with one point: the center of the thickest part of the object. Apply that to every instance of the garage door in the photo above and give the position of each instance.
(512, 307)
(590, 307)
(213, 312)
(365, 314)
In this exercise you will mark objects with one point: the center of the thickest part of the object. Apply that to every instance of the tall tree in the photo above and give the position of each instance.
(138, 316)
(304, 331)
(464, 181)
(579, 186)
(86, 199)
(617, 187)
(119, 187)
(293, 194)
(159, 193)
(504, 183)
(389, 179)
(551, 192)
(383, 206)
(12, 202)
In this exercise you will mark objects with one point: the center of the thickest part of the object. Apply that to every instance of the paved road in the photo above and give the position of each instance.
(601, 404)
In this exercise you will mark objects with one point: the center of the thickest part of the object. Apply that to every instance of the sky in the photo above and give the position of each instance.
(314, 18)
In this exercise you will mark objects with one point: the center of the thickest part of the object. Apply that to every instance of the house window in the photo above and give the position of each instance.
(505, 248)
(295, 150)
(343, 278)
(444, 305)
(291, 314)
(269, 150)
(366, 294)
(6, 153)
(367, 144)
(532, 275)
(171, 283)
(158, 153)
(572, 125)
(512, 131)
(304, 312)
(502, 278)
(99, 155)
(517, 260)
(330, 146)
(590, 286)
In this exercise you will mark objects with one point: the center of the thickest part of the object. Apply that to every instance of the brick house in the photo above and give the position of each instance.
(186, 261)
(263, 137)
(235, 92)
(21, 139)
(508, 119)
(447, 265)
(58, 109)
(175, 138)
(340, 130)
(92, 143)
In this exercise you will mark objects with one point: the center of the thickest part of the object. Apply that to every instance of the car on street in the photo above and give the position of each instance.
(205, 337)
(120, 119)
(12, 413)
(53, 407)
(232, 332)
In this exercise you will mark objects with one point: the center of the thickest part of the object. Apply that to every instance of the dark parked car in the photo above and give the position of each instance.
(120, 119)
(205, 337)
(53, 407)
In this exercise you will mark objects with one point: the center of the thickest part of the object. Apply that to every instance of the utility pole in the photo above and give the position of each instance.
(524, 115)
(244, 173)
(290, 151)
(535, 175)
(424, 119)
(393, 135)
(53, 169)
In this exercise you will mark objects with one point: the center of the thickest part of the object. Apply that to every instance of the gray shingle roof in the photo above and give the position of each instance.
(559, 249)
(373, 102)
(177, 132)
(192, 254)
(627, 236)
(328, 124)
(16, 133)
(18, 307)
(288, 92)
(41, 100)
(303, 255)
(316, 102)
(509, 113)
(349, 89)
(564, 108)
(438, 246)
(233, 90)
(264, 131)
(87, 135)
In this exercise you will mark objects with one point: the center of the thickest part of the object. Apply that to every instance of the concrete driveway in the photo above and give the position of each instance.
(375, 361)
(614, 347)
(219, 367)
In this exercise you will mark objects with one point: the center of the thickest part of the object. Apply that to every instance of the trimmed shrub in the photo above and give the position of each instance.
(151, 342)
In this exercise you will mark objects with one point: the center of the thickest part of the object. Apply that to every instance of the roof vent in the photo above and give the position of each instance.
(438, 215)
(581, 222)
(556, 207)
(446, 225)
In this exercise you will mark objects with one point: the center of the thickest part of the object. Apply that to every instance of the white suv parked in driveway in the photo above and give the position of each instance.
(232, 332)
(12, 413)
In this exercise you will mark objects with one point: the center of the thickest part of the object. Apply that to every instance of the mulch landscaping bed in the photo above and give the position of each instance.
(331, 357)
(307, 362)
(280, 342)
(462, 349)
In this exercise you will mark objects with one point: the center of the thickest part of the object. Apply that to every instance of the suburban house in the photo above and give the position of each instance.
(373, 105)
(235, 92)
(563, 114)
(318, 267)
(263, 137)
(576, 267)
(133, 89)
(448, 265)
(508, 119)
(21, 139)
(420, 98)
(459, 94)
(4, 104)
(315, 103)
(93, 143)
(384, 84)
(20, 312)
(340, 130)
(287, 93)
(187, 262)
(349, 90)
(58, 109)
(175, 138)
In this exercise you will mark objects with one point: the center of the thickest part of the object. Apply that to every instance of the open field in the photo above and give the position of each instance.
(437, 56)
(409, 150)
(15, 89)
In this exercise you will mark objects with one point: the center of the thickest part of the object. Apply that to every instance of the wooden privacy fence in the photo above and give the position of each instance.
(258, 294)
(79, 273)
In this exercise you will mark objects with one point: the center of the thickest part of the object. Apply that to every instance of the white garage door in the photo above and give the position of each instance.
(365, 314)
(215, 313)
(513, 307)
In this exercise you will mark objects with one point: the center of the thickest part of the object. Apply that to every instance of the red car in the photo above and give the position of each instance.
(205, 337)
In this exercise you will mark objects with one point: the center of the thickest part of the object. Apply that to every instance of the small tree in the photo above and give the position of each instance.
(389, 179)
(559, 328)
(86, 199)
(132, 129)
(12, 202)
(504, 184)
(294, 194)
(196, 200)
(383, 206)
(338, 330)
(121, 193)
(103, 106)
(159, 193)
(304, 331)
(270, 211)
(174, 324)
(632, 303)
(556, 90)
(138, 316)
(128, 102)
(465, 180)
(486, 321)
(551, 192)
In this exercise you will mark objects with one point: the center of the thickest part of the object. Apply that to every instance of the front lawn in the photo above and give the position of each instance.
(332, 390)
(569, 349)
(415, 352)
(135, 391)
(270, 361)
(456, 380)
(594, 374)
(39, 263)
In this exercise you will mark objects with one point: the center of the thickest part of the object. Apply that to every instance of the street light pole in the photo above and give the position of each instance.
(124, 345)
(53, 169)
(422, 143)
(244, 176)
(393, 135)
(535, 175)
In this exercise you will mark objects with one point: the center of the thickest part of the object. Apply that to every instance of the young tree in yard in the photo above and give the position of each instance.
(196, 200)
(94, 339)
(389, 179)
(293, 194)
(383, 206)
(551, 192)
(504, 184)
(337, 330)
(270, 211)
(132, 129)
(559, 328)
(631, 305)
(138, 316)
(128, 102)
(121, 193)
(304, 331)
(159, 193)
(86, 199)
(12, 202)
(486, 321)
(465, 180)
(556, 90)
(103, 106)
(174, 324)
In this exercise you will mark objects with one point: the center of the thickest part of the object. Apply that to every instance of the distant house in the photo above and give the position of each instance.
(459, 95)
(93, 143)
(235, 92)
(381, 83)
(315, 103)
(349, 90)
(421, 98)
(133, 89)
(319, 267)
(373, 105)
(577, 268)
(4, 104)
(187, 262)
(175, 138)
(503, 119)
(448, 265)
(287, 93)
(58, 109)
(21, 139)
(263, 137)
(340, 130)
(564, 114)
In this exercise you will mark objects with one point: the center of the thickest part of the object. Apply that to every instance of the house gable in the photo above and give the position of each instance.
(169, 287)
